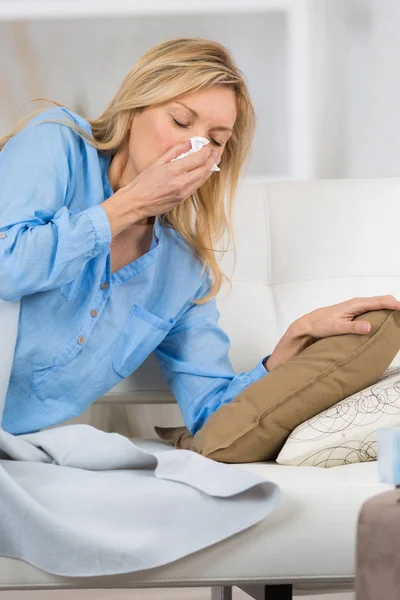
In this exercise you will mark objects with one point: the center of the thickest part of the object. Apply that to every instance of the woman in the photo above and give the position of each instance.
(108, 242)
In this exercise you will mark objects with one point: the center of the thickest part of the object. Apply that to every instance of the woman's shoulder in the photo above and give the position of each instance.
(62, 114)
(51, 134)
(48, 139)
(60, 123)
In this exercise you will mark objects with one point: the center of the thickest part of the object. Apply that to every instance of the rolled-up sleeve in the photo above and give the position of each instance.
(194, 361)
(43, 245)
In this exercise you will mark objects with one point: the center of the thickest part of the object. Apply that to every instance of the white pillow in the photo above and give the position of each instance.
(346, 432)
(9, 316)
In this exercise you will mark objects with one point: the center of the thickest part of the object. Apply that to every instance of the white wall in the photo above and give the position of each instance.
(85, 60)
(354, 89)
(374, 101)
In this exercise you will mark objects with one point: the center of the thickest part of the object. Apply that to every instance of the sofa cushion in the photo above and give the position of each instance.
(346, 432)
(255, 424)
(308, 540)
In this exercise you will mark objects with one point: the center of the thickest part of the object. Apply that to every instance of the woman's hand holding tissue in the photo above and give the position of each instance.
(161, 186)
(327, 321)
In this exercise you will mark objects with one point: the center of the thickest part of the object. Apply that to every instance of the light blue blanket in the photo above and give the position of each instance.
(77, 501)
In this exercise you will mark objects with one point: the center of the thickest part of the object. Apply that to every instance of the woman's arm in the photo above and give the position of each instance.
(43, 245)
(194, 361)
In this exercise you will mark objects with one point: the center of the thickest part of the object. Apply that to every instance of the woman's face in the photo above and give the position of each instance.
(209, 113)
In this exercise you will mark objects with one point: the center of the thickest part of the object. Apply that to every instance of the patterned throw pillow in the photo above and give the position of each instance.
(346, 432)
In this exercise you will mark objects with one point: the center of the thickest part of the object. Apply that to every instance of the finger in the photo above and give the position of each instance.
(191, 189)
(200, 174)
(343, 328)
(193, 161)
(194, 187)
(362, 305)
(361, 327)
(174, 152)
(188, 190)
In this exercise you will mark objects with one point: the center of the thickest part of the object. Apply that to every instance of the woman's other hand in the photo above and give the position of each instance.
(327, 321)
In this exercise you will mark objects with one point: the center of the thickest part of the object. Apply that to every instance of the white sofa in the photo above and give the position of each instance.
(300, 245)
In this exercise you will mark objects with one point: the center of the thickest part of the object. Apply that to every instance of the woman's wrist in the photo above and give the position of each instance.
(265, 360)
(120, 212)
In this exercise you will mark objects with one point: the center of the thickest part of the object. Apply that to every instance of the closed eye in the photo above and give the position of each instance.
(186, 127)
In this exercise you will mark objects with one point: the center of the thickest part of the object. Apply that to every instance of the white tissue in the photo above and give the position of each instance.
(197, 144)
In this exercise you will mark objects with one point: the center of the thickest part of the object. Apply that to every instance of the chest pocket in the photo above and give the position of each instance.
(142, 333)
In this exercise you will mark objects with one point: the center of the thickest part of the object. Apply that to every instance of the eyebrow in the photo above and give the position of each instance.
(196, 114)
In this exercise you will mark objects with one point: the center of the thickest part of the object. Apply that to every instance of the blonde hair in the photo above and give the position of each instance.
(169, 70)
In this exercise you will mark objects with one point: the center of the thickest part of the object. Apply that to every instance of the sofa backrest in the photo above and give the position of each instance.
(300, 246)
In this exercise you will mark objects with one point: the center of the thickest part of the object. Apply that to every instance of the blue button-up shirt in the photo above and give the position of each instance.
(81, 328)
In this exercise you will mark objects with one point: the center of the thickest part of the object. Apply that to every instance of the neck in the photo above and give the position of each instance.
(120, 170)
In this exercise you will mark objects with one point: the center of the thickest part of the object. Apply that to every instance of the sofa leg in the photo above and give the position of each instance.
(223, 592)
(268, 592)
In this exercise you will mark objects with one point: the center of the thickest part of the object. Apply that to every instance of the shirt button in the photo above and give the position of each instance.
(3, 235)
(81, 339)
(94, 312)
(104, 285)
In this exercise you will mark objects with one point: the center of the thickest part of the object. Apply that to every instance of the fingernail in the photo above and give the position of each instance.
(365, 327)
